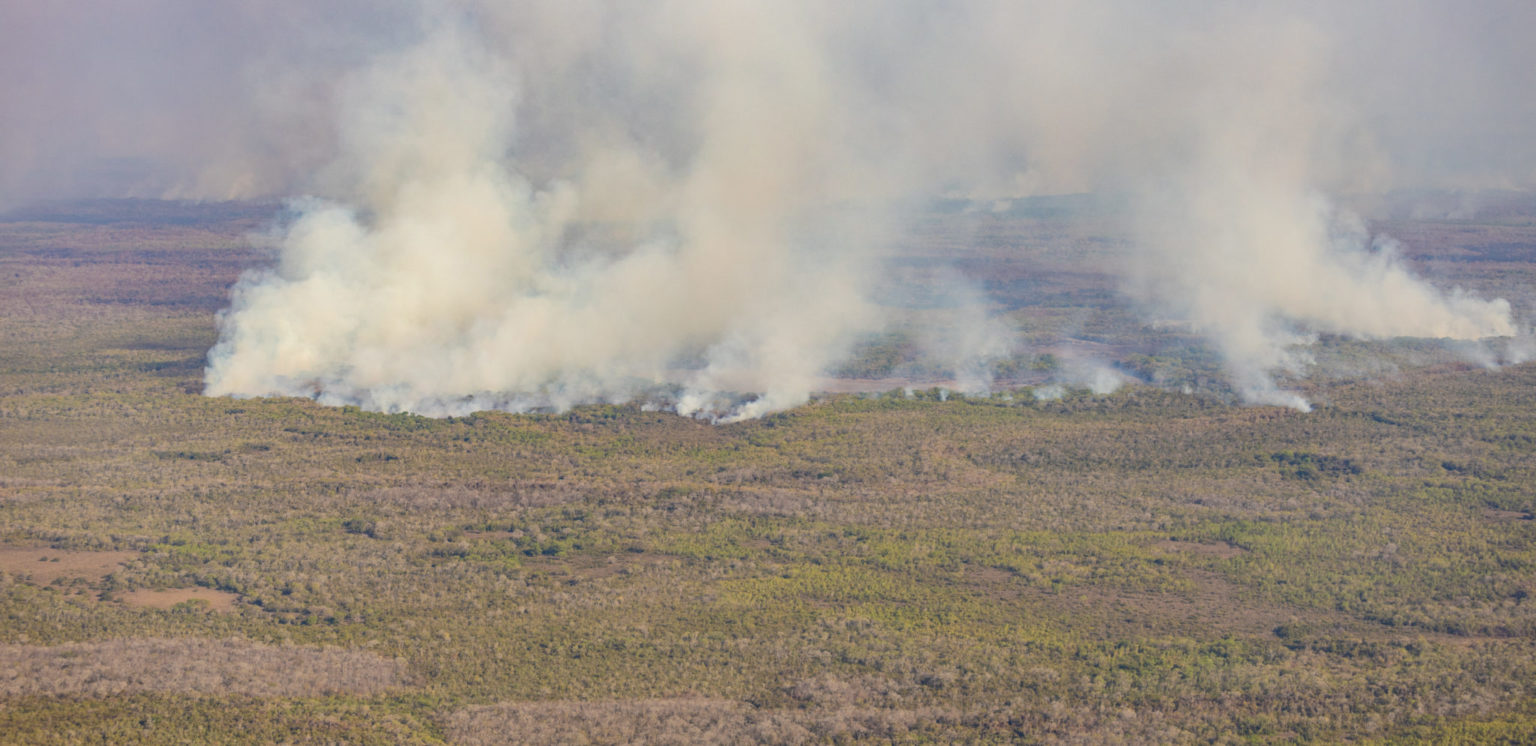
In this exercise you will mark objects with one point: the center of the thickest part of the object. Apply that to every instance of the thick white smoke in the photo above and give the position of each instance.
(459, 284)
(589, 201)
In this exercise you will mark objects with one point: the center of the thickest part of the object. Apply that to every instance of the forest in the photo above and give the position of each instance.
(1036, 563)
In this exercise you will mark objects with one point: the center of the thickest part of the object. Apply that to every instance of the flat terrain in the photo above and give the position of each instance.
(1147, 566)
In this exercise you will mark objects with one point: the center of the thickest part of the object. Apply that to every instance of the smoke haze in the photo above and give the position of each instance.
(550, 203)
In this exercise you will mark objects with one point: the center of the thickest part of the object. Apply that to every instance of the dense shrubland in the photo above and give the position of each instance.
(1147, 566)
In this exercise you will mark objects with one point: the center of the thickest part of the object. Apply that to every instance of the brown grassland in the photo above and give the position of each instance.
(1142, 567)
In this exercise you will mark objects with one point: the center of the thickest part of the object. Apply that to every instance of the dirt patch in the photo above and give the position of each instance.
(588, 568)
(193, 666)
(1507, 515)
(771, 502)
(994, 582)
(41, 565)
(1220, 549)
(164, 599)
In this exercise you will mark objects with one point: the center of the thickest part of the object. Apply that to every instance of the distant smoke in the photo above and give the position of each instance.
(964, 338)
(1261, 277)
(545, 203)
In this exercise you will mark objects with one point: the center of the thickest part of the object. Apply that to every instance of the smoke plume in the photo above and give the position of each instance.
(545, 203)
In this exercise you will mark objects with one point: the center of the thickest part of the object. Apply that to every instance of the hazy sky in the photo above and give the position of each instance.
(214, 100)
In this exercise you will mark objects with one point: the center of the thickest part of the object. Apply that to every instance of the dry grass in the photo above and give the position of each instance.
(677, 721)
(223, 601)
(695, 720)
(193, 666)
(1221, 550)
(1507, 515)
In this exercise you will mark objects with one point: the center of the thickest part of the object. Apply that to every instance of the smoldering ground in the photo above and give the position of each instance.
(541, 204)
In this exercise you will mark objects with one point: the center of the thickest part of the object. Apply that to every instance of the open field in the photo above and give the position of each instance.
(1147, 566)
